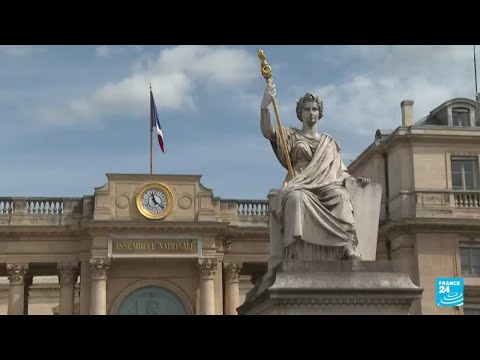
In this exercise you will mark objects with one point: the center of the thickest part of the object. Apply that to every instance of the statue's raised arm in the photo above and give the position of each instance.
(267, 128)
(265, 120)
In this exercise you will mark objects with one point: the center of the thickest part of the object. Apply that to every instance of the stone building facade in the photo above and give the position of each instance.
(100, 255)
(163, 244)
(430, 218)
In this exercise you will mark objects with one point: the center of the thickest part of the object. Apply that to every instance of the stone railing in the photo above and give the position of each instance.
(470, 199)
(249, 207)
(448, 198)
(426, 203)
(17, 207)
(63, 208)
(45, 206)
(6, 206)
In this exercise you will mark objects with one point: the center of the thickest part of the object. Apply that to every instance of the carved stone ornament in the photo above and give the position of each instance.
(232, 271)
(99, 268)
(122, 201)
(17, 273)
(207, 267)
(68, 273)
(185, 202)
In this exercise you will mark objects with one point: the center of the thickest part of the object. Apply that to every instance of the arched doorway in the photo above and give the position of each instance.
(151, 300)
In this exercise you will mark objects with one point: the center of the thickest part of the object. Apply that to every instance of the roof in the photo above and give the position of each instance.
(432, 119)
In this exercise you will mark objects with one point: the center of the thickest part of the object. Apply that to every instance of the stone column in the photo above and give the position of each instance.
(232, 287)
(16, 292)
(207, 268)
(98, 276)
(85, 287)
(27, 280)
(68, 274)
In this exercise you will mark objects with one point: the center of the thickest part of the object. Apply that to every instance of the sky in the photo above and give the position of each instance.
(72, 114)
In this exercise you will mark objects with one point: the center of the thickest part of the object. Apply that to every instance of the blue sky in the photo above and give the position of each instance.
(71, 114)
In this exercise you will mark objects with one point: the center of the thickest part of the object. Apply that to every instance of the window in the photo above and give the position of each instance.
(460, 117)
(464, 173)
(470, 260)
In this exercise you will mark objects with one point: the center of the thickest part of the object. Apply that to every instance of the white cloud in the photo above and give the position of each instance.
(21, 50)
(370, 99)
(222, 66)
(172, 91)
(176, 75)
(62, 116)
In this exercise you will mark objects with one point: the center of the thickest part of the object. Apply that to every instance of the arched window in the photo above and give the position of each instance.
(152, 300)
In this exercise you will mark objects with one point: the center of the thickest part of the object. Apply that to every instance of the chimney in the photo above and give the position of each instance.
(407, 112)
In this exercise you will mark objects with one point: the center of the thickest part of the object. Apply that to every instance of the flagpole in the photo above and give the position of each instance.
(475, 69)
(151, 131)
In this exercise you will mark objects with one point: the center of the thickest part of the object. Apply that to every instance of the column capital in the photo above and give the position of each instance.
(99, 268)
(17, 272)
(68, 273)
(232, 271)
(207, 267)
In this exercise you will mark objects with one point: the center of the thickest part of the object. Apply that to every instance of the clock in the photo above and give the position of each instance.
(155, 201)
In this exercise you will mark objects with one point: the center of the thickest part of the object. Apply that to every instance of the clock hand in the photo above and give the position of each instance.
(149, 201)
(159, 201)
(161, 204)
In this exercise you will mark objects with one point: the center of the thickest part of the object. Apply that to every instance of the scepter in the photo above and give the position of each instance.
(267, 74)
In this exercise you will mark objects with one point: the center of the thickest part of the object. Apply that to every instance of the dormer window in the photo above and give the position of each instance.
(458, 112)
(460, 117)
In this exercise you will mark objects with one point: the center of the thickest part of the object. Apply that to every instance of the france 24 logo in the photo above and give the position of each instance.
(449, 291)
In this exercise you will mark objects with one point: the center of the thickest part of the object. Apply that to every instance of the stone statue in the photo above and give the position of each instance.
(312, 215)
(313, 267)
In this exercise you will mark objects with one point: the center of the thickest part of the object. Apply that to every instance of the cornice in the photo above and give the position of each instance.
(148, 226)
(42, 233)
(241, 231)
(431, 135)
(430, 224)
(417, 134)
(335, 301)
(154, 178)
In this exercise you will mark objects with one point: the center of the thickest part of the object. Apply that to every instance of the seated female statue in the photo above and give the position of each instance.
(312, 215)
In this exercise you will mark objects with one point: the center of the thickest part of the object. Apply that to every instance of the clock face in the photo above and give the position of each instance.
(155, 201)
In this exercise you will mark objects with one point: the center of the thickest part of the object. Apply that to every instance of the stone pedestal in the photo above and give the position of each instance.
(333, 288)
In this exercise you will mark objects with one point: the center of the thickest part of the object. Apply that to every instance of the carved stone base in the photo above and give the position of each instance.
(334, 288)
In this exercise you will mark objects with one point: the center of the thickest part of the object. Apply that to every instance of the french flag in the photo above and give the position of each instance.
(155, 122)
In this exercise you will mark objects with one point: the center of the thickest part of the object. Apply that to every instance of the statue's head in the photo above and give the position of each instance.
(309, 103)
